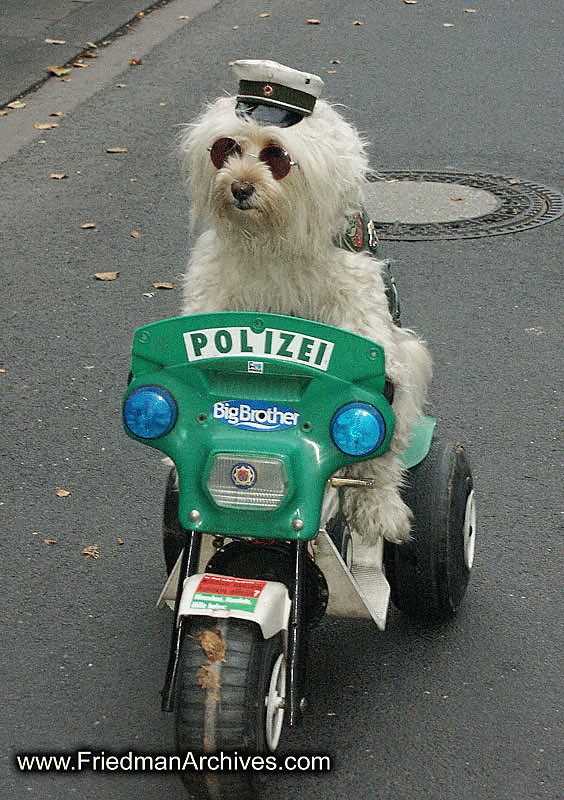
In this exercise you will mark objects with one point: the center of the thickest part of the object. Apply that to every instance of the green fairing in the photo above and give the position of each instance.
(177, 355)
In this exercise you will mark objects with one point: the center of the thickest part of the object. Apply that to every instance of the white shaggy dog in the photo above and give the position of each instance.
(269, 246)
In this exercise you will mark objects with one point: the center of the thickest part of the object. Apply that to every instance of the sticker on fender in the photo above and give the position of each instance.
(271, 343)
(223, 592)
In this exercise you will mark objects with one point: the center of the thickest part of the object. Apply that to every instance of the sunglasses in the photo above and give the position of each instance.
(275, 157)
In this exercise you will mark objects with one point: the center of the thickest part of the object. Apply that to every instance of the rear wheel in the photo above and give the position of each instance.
(429, 575)
(230, 697)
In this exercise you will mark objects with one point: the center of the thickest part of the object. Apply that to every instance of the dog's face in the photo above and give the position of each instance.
(271, 183)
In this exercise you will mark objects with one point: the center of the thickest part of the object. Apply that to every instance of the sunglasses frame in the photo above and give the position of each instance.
(238, 150)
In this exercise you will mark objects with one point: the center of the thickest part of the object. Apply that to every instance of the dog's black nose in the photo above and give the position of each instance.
(242, 190)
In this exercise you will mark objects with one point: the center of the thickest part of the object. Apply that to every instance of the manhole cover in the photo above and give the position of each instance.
(414, 205)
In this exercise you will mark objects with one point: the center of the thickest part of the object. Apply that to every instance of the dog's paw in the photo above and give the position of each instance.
(386, 516)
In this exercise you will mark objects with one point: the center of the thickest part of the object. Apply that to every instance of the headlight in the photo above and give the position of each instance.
(150, 412)
(237, 481)
(358, 429)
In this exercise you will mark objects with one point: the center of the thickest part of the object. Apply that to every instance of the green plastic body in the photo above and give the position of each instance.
(306, 367)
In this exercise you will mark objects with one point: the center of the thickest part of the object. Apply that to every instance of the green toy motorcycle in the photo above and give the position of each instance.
(258, 412)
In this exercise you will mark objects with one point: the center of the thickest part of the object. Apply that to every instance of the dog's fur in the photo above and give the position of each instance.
(276, 252)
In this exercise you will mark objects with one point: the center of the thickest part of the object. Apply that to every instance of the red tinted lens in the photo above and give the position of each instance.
(277, 160)
(222, 149)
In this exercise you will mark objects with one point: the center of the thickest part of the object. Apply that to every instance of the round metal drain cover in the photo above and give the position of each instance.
(414, 205)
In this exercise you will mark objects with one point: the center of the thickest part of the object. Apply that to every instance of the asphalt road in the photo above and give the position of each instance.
(468, 711)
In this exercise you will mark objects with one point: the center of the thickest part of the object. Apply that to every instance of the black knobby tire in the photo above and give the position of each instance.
(220, 706)
(429, 575)
(173, 532)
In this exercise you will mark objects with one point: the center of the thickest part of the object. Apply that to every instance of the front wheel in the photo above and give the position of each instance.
(429, 575)
(230, 697)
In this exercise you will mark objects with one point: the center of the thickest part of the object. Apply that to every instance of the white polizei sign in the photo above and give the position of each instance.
(271, 343)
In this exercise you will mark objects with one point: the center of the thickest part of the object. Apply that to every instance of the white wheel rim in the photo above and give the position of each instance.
(470, 529)
(274, 702)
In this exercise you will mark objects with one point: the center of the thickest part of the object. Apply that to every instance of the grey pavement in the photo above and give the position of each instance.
(26, 25)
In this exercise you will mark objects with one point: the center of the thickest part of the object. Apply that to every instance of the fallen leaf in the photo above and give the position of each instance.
(236, 28)
(148, 294)
(331, 71)
(65, 80)
(133, 180)
(54, 41)
(448, 24)
(209, 679)
(56, 114)
(91, 44)
(265, 14)
(58, 176)
(58, 71)
(120, 541)
(135, 62)
(2, 370)
(358, 22)
(458, 197)
(116, 150)
(313, 21)
(88, 54)
(410, 2)
(163, 285)
(121, 85)
(183, 16)
(106, 276)
(80, 64)
(88, 225)
(136, 235)
(50, 541)
(334, 61)
(62, 493)
(213, 644)
(470, 10)
(45, 126)
(513, 180)
(93, 551)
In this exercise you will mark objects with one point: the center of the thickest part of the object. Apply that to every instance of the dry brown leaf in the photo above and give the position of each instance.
(88, 226)
(91, 44)
(513, 180)
(236, 28)
(62, 493)
(2, 370)
(470, 10)
(54, 41)
(358, 22)
(410, 2)
(136, 235)
(58, 71)
(135, 62)
(119, 540)
(448, 24)
(106, 276)
(313, 21)
(121, 85)
(458, 197)
(45, 126)
(334, 61)
(116, 150)
(56, 114)
(209, 679)
(16, 104)
(93, 551)
(331, 71)
(80, 64)
(163, 285)
(50, 541)
(88, 54)
(58, 176)
(213, 644)
(183, 16)
(265, 14)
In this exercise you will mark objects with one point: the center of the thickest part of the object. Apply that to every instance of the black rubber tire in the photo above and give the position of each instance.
(173, 532)
(231, 717)
(428, 576)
